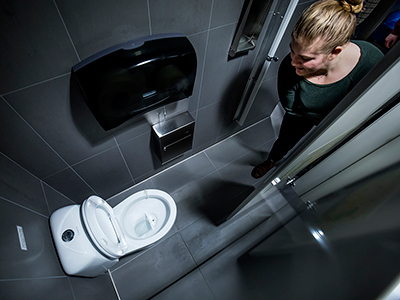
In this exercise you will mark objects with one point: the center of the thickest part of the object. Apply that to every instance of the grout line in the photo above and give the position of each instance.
(66, 29)
(205, 57)
(188, 249)
(35, 84)
(211, 14)
(47, 144)
(236, 80)
(34, 278)
(143, 251)
(224, 25)
(123, 158)
(41, 181)
(31, 210)
(72, 289)
(113, 283)
(45, 197)
(197, 33)
(88, 158)
(29, 125)
(58, 192)
(149, 15)
(33, 175)
(205, 280)
(216, 169)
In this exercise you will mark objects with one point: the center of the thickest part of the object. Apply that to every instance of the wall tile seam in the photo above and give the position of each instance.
(236, 133)
(199, 107)
(144, 177)
(142, 252)
(189, 224)
(269, 141)
(219, 135)
(47, 144)
(91, 157)
(58, 192)
(188, 249)
(130, 139)
(35, 84)
(71, 287)
(83, 180)
(204, 63)
(45, 197)
(236, 159)
(270, 78)
(41, 181)
(11, 160)
(207, 284)
(211, 14)
(22, 206)
(129, 188)
(162, 171)
(222, 26)
(149, 16)
(113, 282)
(75, 172)
(195, 111)
(145, 250)
(33, 278)
(201, 79)
(211, 29)
(124, 160)
(216, 169)
(66, 30)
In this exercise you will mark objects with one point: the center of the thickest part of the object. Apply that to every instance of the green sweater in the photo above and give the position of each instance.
(314, 101)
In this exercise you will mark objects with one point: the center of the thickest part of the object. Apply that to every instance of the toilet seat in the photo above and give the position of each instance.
(102, 227)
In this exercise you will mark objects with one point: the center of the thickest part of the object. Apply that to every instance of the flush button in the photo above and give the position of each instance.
(68, 235)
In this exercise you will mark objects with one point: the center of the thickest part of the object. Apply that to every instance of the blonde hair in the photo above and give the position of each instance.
(333, 21)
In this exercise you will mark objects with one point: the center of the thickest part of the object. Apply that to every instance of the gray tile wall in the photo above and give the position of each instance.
(53, 153)
(51, 134)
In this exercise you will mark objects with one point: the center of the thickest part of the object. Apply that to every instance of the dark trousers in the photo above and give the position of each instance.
(293, 128)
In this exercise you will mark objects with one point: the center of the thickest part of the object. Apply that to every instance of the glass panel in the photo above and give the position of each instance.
(347, 249)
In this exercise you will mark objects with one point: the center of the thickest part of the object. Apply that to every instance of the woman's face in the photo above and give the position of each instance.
(308, 61)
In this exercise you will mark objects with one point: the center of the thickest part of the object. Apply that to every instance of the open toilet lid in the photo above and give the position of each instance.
(102, 227)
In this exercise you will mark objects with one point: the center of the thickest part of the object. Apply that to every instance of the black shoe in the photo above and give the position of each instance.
(262, 169)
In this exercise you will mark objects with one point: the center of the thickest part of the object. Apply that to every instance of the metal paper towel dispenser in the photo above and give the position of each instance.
(135, 77)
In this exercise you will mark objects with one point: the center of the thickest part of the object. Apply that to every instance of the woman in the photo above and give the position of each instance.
(323, 66)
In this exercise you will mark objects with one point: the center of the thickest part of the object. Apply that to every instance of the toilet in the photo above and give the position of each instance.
(91, 237)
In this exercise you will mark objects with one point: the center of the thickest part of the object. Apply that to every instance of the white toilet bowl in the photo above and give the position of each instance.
(90, 238)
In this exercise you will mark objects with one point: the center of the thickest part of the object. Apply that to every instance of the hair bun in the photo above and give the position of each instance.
(352, 6)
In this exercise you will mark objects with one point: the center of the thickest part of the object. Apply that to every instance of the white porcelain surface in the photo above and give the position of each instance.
(135, 223)
(102, 227)
(78, 256)
(145, 217)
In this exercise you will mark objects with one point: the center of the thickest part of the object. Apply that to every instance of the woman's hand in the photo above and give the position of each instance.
(390, 40)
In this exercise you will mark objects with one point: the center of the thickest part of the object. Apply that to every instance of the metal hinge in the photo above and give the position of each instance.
(290, 181)
(274, 58)
(311, 205)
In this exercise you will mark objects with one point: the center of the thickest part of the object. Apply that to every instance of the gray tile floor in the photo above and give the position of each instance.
(206, 187)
